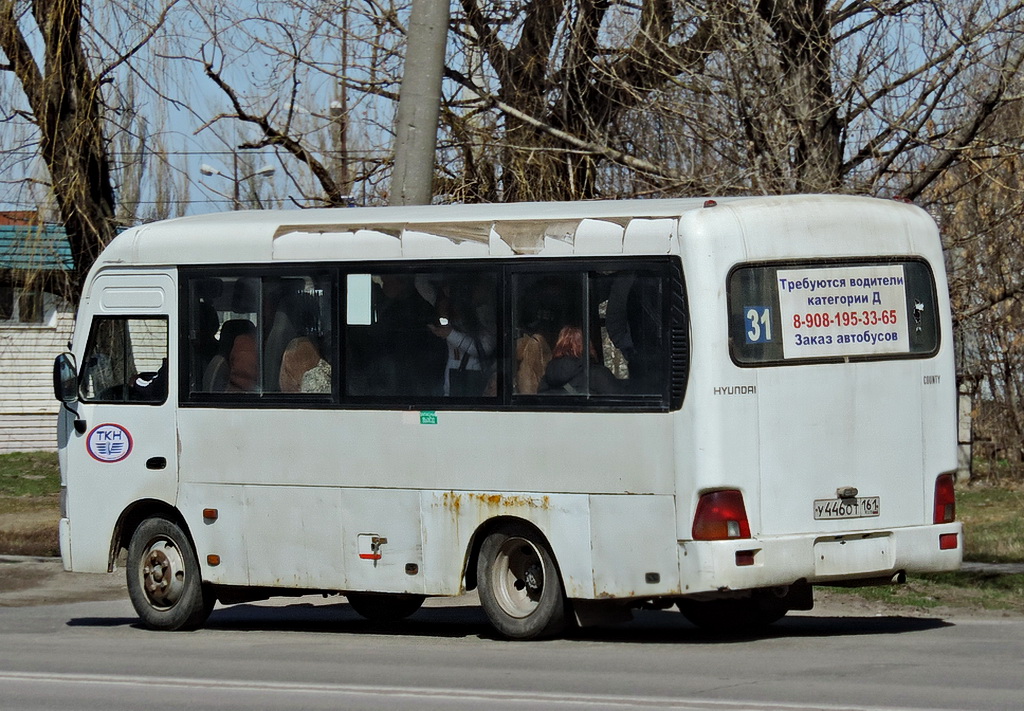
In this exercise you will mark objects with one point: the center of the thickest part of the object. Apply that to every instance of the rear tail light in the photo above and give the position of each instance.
(720, 516)
(945, 500)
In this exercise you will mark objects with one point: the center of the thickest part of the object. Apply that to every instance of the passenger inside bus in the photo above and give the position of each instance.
(303, 368)
(540, 307)
(217, 374)
(300, 355)
(317, 379)
(408, 356)
(532, 357)
(243, 365)
(466, 322)
(566, 372)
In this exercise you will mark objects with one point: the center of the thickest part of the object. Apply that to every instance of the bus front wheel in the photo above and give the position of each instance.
(520, 588)
(164, 581)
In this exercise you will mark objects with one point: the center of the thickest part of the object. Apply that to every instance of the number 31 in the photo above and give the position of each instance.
(759, 324)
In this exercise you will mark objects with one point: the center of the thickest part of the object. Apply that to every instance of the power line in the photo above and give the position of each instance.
(238, 151)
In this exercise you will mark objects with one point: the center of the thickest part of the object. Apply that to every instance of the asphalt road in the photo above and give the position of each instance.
(318, 654)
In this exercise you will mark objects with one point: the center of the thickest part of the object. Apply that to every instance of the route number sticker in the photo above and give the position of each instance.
(758, 324)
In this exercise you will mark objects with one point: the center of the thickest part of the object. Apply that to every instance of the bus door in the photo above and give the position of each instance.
(123, 447)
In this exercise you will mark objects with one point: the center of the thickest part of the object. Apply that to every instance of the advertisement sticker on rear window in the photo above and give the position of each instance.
(814, 312)
(841, 311)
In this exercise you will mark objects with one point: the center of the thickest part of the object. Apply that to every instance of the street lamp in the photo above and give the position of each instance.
(265, 172)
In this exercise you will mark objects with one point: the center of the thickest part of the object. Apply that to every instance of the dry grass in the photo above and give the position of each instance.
(993, 519)
(29, 503)
(28, 525)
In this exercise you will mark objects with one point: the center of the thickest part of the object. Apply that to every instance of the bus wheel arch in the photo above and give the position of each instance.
(520, 585)
(470, 563)
(132, 517)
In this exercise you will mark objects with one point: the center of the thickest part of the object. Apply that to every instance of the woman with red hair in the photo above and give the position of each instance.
(565, 372)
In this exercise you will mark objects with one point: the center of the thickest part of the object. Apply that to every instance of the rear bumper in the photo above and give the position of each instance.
(707, 566)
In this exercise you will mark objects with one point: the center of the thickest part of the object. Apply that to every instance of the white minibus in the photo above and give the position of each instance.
(576, 409)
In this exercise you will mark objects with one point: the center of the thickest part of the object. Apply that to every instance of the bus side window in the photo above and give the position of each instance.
(126, 361)
(250, 335)
(633, 332)
(616, 348)
(421, 335)
(544, 304)
(221, 309)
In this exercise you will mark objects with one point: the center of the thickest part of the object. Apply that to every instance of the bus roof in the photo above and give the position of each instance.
(611, 227)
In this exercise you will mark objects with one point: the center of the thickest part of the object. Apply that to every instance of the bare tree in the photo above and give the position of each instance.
(317, 73)
(598, 98)
(62, 68)
(980, 203)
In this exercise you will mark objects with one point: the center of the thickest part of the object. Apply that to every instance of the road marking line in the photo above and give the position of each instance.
(454, 695)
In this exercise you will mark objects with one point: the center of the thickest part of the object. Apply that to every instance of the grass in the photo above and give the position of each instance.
(987, 591)
(28, 474)
(993, 519)
(29, 503)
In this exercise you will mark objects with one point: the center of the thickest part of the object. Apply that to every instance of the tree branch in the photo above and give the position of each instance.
(967, 133)
(275, 137)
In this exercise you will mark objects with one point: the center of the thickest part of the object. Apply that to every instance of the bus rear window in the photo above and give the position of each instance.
(800, 312)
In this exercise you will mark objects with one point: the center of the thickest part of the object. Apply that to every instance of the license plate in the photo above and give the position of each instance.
(859, 507)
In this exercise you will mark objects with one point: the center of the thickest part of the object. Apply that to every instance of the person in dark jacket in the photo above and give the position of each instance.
(565, 373)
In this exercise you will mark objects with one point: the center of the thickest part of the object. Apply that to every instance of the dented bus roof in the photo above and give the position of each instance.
(593, 228)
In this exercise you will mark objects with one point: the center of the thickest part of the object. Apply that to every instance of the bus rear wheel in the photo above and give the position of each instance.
(520, 588)
(731, 616)
(164, 581)
(384, 607)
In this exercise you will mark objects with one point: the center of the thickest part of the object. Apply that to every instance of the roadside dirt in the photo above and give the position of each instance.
(837, 603)
(30, 527)
(26, 581)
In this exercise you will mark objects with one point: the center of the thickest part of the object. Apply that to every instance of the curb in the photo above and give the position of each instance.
(993, 568)
(27, 559)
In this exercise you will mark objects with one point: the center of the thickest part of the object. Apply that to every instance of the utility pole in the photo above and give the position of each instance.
(339, 114)
(419, 103)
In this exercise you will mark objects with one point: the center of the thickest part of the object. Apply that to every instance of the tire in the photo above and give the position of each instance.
(164, 581)
(731, 616)
(384, 607)
(520, 587)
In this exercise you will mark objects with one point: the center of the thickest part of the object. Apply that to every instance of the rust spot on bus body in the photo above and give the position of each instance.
(455, 501)
(451, 500)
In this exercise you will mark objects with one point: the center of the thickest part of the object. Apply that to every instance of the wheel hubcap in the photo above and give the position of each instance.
(162, 570)
(518, 577)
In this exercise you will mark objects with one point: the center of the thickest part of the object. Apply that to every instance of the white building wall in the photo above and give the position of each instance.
(27, 409)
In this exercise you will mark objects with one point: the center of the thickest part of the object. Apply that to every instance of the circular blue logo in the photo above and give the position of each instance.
(109, 443)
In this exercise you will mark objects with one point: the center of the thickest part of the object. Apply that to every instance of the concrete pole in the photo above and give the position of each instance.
(419, 103)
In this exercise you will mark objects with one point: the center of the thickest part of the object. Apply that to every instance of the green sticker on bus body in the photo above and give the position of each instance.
(428, 417)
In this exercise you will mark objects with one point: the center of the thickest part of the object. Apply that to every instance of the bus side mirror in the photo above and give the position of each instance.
(65, 379)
